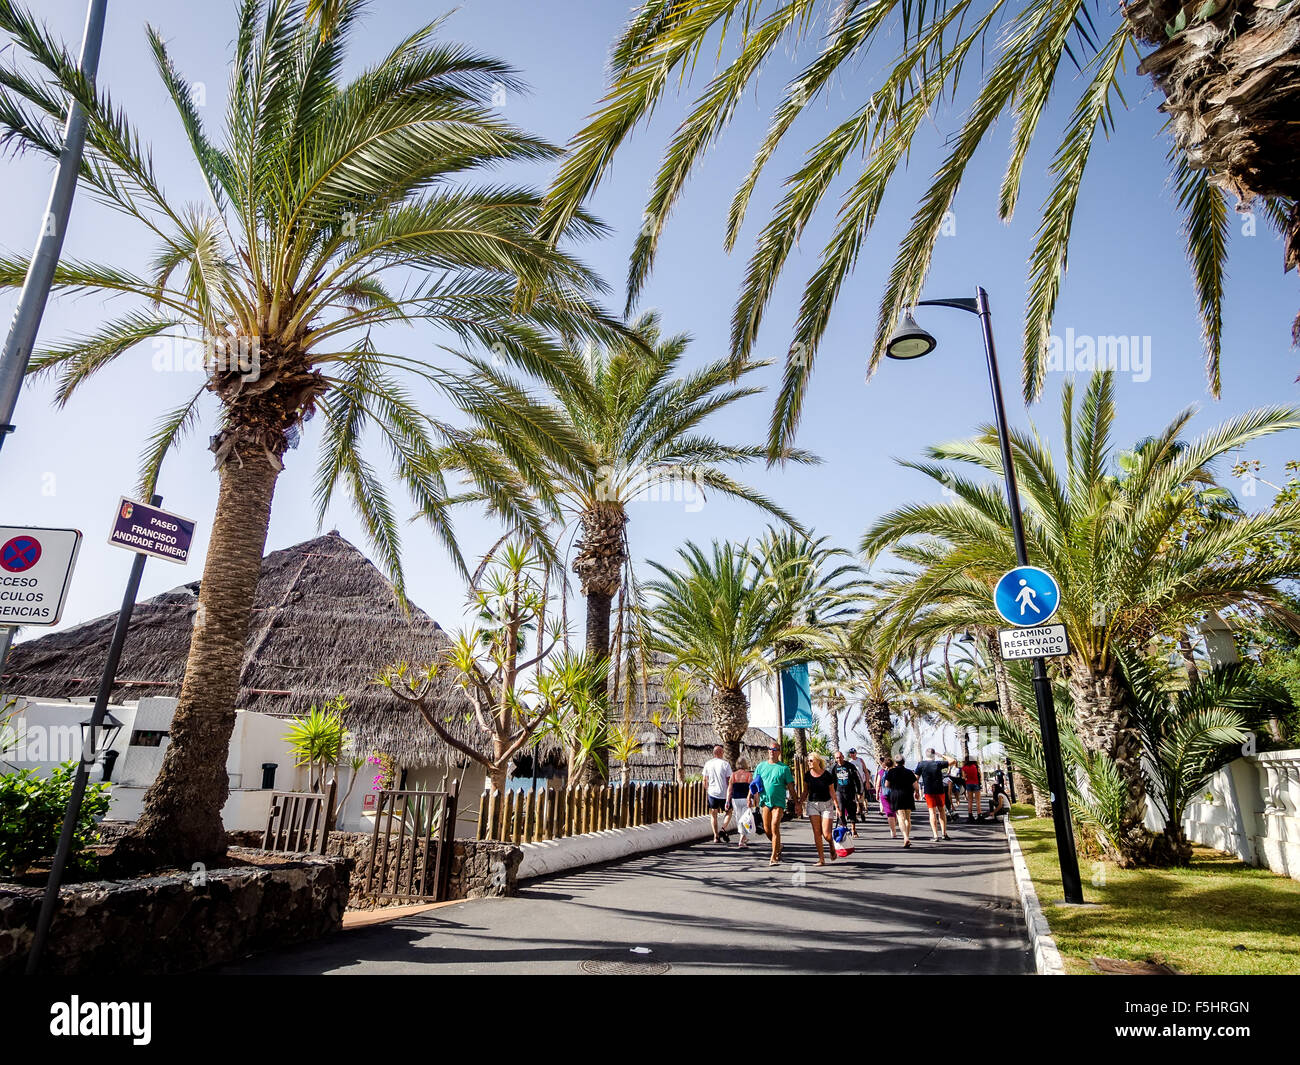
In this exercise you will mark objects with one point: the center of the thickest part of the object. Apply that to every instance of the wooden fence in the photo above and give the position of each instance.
(528, 817)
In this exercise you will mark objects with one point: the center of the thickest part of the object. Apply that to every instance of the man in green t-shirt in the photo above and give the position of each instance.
(774, 778)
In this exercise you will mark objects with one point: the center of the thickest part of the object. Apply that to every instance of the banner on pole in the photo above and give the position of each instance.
(796, 697)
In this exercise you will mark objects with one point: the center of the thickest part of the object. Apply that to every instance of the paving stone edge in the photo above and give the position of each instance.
(1047, 958)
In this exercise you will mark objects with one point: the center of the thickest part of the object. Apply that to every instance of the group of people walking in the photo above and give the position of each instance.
(942, 782)
(836, 797)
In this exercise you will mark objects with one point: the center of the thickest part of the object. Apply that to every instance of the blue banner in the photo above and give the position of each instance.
(796, 697)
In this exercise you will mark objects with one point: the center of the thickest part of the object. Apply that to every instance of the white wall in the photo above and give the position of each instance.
(52, 735)
(1251, 808)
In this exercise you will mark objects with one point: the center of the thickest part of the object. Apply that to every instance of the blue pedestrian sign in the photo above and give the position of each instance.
(1026, 596)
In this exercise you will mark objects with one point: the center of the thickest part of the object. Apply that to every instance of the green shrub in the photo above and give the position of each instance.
(31, 817)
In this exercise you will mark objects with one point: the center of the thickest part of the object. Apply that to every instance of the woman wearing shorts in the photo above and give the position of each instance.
(740, 781)
(882, 794)
(823, 806)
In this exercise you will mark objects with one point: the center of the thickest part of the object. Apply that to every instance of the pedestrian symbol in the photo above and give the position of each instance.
(1026, 596)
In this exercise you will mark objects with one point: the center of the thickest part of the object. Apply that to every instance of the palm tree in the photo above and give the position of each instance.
(1221, 69)
(817, 588)
(1104, 538)
(326, 202)
(618, 423)
(717, 617)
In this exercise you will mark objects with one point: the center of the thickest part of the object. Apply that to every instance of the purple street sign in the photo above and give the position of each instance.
(149, 531)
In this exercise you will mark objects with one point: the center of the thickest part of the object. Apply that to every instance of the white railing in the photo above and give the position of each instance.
(1251, 808)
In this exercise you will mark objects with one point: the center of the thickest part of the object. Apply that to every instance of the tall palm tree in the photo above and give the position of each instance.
(717, 617)
(621, 422)
(1104, 538)
(1224, 70)
(817, 589)
(327, 202)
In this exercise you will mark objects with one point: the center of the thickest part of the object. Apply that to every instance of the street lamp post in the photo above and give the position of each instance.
(910, 341)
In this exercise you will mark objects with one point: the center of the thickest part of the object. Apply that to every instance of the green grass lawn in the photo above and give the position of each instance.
(1192, 920)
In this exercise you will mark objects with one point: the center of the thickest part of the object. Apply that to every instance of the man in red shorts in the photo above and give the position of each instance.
(934, 783)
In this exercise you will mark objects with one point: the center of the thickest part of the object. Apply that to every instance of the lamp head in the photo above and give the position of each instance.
(909, 340)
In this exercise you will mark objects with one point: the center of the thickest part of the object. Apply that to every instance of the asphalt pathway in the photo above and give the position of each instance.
(708, 908)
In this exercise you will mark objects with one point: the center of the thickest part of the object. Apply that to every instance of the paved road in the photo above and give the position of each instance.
(934, 908)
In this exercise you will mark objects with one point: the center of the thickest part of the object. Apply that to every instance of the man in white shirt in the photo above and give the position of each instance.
(717, 780)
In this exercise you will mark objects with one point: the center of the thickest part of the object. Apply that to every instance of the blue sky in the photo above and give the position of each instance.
(1127, 277)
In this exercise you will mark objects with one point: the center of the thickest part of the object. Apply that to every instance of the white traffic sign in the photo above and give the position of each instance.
(35, 572)
(1045, 641)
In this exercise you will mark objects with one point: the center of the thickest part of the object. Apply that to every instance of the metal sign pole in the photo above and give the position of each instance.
(49, 242)
(73, 813)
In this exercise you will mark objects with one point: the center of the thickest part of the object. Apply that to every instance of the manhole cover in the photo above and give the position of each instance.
(1131, 968)
(624, 966)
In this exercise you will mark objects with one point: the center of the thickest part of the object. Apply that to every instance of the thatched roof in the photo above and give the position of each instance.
(325, 622)
(656, 760)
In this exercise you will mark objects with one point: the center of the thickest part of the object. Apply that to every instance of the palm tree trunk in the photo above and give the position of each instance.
(730, 719)
(1102, 716)
(181, 822)
(880, 726)
(834, 714)
(595, 769)
(1231, 94)
(1189, 661)
(601, 554)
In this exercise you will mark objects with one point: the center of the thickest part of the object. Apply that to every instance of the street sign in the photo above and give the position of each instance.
(35, 572)
(149, 531)
(1026, 596)
(1044, 641)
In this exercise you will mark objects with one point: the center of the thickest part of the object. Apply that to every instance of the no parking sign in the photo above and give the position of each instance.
(35, 572)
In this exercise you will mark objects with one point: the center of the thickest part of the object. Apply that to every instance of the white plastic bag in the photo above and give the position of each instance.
(747, 822)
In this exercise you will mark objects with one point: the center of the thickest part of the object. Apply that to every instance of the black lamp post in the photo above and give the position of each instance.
(96, 739)
(910, 341)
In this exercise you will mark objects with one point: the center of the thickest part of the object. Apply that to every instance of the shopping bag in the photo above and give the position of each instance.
(747, 822)
(841, 840)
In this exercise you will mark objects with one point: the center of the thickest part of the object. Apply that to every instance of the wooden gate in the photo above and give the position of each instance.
(298, 822)
(410, 852)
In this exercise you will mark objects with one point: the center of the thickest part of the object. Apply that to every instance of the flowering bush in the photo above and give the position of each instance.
(387, 771)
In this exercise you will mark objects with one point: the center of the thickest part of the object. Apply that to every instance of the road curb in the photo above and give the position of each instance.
(597, 848)
(1047, 958)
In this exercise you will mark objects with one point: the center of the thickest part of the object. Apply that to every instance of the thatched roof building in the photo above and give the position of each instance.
(326, 621)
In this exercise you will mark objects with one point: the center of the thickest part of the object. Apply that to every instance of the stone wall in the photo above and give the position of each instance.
(172, 924)
(478, 869)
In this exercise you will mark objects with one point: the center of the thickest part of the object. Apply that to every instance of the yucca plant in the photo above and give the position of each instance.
(320, 741)
(1106, 540)
(1224, 69)
(333, 206)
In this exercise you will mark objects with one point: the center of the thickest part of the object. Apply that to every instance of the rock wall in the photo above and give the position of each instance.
(180, 923)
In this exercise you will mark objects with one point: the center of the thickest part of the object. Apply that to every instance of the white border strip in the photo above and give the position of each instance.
(593, 848)
(1047, 959)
